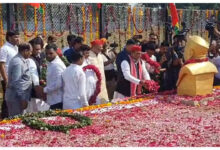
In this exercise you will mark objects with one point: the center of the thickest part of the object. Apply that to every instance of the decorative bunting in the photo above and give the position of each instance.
(129, 22)
(91, 23)
(134, 20)
(97, 24)
(84, 23)
(44, 20)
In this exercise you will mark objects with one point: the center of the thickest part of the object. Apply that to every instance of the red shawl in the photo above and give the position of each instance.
(135, 87)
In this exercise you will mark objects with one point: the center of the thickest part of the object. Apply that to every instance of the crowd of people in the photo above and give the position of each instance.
(122, 72)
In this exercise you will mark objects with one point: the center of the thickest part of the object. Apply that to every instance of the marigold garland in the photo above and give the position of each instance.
(92, 99)
(44, 20)
(97, 24)
(134, 20)
(129, 22)
(35, 21)
(84, 23)
(135, 26)
(91, 23)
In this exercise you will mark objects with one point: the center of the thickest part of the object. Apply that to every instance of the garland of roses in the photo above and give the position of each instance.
(34, 122)
(92, 99)
(155, 64)
(190, 61)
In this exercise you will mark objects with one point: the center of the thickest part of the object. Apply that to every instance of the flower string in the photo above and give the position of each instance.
(155, 64)
(134, 20)
(97, 24)
(91, 23)
(129, 22)
(44, 20)
(84, 23)
(92, 99)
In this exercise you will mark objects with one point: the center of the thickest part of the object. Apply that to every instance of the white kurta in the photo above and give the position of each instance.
(74, 80)
(7, 52)
(97, 60)
(54, 88)
(125, 67)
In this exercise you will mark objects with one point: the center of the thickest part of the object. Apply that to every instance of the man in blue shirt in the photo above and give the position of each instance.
(75, 45)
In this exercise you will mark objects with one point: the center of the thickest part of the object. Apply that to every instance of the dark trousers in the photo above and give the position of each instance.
(57, 106)
(4, 111)
(216, 81)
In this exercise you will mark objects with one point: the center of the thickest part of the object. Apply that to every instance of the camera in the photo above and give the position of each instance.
(209, 25)
(114, 45)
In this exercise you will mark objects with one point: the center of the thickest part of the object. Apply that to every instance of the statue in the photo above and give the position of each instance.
(197, 75)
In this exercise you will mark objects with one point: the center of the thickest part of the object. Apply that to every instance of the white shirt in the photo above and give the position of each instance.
(127, 72)
(7, 52)
(34, 73)
(54, 88)
(65, 48)
(111, 55)
(74, 80)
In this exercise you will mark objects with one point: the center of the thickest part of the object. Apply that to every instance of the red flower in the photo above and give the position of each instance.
(92, 99)
(151, 86)
(155, 64)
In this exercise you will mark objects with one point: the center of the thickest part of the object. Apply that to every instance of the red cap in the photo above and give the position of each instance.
(136, 48)
(97, 42)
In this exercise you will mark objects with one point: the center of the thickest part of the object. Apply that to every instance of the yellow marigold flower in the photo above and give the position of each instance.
(2, 136)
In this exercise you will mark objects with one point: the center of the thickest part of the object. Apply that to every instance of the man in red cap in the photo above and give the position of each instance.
(95, 58)
(132, 75)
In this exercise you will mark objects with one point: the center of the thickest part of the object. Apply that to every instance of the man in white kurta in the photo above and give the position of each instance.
(55, 68)
(95, 58)
(74, 79)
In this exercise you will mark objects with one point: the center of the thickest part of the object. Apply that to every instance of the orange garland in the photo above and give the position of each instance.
(44, 20)
(90, 19)
(140, 17)
(25, 22)
(134, 20)
(35, 20)
(84, 23)
(129, 22)
(97, 24)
